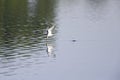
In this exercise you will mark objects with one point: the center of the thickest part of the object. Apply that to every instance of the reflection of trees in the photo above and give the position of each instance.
(21, 34)
(45, 9)
(17, 23)
(1, 10)
(18, 29)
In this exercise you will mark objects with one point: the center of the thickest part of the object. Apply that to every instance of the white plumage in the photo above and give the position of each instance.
(49, 31)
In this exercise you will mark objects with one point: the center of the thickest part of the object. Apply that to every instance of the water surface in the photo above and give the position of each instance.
(85, 45)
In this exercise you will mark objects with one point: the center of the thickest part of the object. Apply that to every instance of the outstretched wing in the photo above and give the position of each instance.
(50, 29)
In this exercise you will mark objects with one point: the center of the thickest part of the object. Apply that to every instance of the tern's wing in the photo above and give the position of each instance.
(50, 29)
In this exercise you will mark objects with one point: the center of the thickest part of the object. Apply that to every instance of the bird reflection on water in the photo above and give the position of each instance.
(50, 50)
(49, 45)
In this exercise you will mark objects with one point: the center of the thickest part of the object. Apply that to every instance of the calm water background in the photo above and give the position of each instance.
(85, 45)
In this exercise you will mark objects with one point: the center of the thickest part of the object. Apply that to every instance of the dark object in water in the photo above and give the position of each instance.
(73, 40)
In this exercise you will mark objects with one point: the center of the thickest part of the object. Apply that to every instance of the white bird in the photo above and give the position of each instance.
(49, 31)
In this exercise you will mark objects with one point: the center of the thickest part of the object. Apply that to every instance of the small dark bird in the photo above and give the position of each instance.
(73, 40)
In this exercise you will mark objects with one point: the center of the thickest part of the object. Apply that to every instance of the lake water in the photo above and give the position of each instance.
(85, 44)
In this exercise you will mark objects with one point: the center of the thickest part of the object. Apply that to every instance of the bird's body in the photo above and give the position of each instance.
(49, 31)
